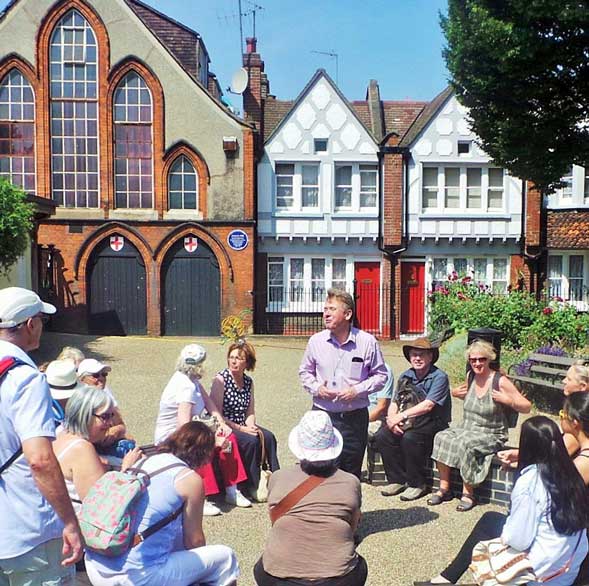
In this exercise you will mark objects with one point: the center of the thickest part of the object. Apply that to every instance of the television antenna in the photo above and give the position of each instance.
(335, 56)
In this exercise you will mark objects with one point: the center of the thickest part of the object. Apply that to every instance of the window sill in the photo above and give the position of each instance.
(299, 214)
(63, 213)
(133, 214)
(462, 215)
(185, 215)
(354, 214)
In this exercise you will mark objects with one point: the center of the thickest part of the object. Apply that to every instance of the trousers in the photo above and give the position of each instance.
(404, 456)
(353, 425)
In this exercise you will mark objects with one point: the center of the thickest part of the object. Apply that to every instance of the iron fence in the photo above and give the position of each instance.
(298, 311)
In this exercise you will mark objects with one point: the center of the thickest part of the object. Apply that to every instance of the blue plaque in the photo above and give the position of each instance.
(237, 240)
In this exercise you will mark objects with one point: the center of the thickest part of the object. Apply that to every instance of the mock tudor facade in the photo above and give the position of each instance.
(108, 108)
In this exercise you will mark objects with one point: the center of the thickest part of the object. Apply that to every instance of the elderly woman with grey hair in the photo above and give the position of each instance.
(88, 416)
(184, 398)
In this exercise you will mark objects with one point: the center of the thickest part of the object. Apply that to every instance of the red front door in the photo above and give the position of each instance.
(412, 297)
(367, 277)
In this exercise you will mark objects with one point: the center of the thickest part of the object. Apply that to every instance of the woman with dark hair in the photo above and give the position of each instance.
(177, 553)
(574, 421)
(312, 541)
(233, 393)
(549, 511)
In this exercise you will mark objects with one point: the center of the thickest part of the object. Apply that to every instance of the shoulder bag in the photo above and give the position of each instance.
(293, 497)
(260, 493)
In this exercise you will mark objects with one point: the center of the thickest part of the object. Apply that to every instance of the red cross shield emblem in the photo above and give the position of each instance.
(117, 243)
(190, 243)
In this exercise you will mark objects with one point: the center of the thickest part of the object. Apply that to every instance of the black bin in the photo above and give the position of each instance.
(489, 335)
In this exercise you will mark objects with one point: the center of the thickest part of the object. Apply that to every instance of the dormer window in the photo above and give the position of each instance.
(320, 145)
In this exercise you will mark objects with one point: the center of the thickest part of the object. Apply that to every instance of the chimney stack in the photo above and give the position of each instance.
(257, 87)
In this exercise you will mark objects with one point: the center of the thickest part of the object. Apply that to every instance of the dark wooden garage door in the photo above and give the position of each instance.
(116, 290)
(191, 291)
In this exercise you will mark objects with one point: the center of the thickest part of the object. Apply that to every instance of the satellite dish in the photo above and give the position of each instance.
(239, 81)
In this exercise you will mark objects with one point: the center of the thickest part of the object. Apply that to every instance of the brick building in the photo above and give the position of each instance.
(108, 108)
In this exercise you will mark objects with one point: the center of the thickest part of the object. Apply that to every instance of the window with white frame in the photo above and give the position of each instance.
(368, 186)
(297, 186)
(462, 188)
(566, 277)
(343, 187)
(356, 187)
(300, 283)
(309, 186)
(586, 186)
(555, 277)
(493, 272)
(275, 279)
(566, 191)
(473, 188)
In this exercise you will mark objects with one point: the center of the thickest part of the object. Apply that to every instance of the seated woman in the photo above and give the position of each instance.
(176, 554)
(88, 417)
(94, 373)
(471, 445)
(549, 511)
(575, 381)
(313, 541)
(184, 398)
(233, 393)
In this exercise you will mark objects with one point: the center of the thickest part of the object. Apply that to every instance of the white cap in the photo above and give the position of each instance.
(193, 354)
(62, 378)
(315, 439)
(92, 366)
(17, 305)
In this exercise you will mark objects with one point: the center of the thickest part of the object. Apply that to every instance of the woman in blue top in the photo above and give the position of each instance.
(549, 511)
(177, 554)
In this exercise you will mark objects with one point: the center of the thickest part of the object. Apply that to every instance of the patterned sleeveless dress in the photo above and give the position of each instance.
(471, 445)
(235, 400)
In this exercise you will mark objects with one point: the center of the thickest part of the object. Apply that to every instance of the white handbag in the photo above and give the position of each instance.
(260, 493)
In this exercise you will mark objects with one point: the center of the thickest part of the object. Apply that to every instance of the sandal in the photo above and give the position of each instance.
(467, 502)
(439, 497)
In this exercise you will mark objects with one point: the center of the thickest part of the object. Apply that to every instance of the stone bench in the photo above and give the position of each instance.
(496, 489)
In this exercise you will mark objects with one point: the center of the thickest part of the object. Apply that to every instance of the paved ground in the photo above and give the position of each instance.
(402, 541)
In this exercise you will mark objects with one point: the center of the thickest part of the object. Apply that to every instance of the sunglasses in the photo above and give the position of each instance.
(105, 417)
(101, 374)
(477, 360)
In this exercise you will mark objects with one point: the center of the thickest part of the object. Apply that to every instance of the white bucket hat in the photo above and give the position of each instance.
(62, 378)
(315, 439)
(17, 305)
(92, 366)
(193, 354)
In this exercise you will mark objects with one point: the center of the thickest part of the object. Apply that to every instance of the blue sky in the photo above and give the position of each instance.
(397, 42)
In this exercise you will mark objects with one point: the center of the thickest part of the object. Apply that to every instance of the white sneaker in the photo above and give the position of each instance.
(210, 510)
(237, 499)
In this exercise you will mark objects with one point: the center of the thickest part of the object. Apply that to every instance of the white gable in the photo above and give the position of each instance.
(439, 139)
(322, 114)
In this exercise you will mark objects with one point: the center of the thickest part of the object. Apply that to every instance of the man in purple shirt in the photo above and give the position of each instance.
(342, 365)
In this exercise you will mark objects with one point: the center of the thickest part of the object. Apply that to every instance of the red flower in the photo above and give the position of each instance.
(547, 310)
(461, 296)
(466, 280)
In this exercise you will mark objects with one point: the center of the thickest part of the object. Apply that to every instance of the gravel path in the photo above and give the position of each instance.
(402, 541)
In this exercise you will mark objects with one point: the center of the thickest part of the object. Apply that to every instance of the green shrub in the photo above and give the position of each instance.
(526, 322)
(16, 223)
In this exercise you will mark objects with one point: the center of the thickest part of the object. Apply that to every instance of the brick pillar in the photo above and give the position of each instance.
(392, 196)
(533, 219)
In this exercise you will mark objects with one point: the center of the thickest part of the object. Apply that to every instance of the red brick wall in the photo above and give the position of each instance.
(392, 197)
(533, 236)
(73, 252)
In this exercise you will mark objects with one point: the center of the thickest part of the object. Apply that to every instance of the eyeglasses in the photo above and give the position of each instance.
(477, 360)
(105, 417)
(44, 318)
(101, 374)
